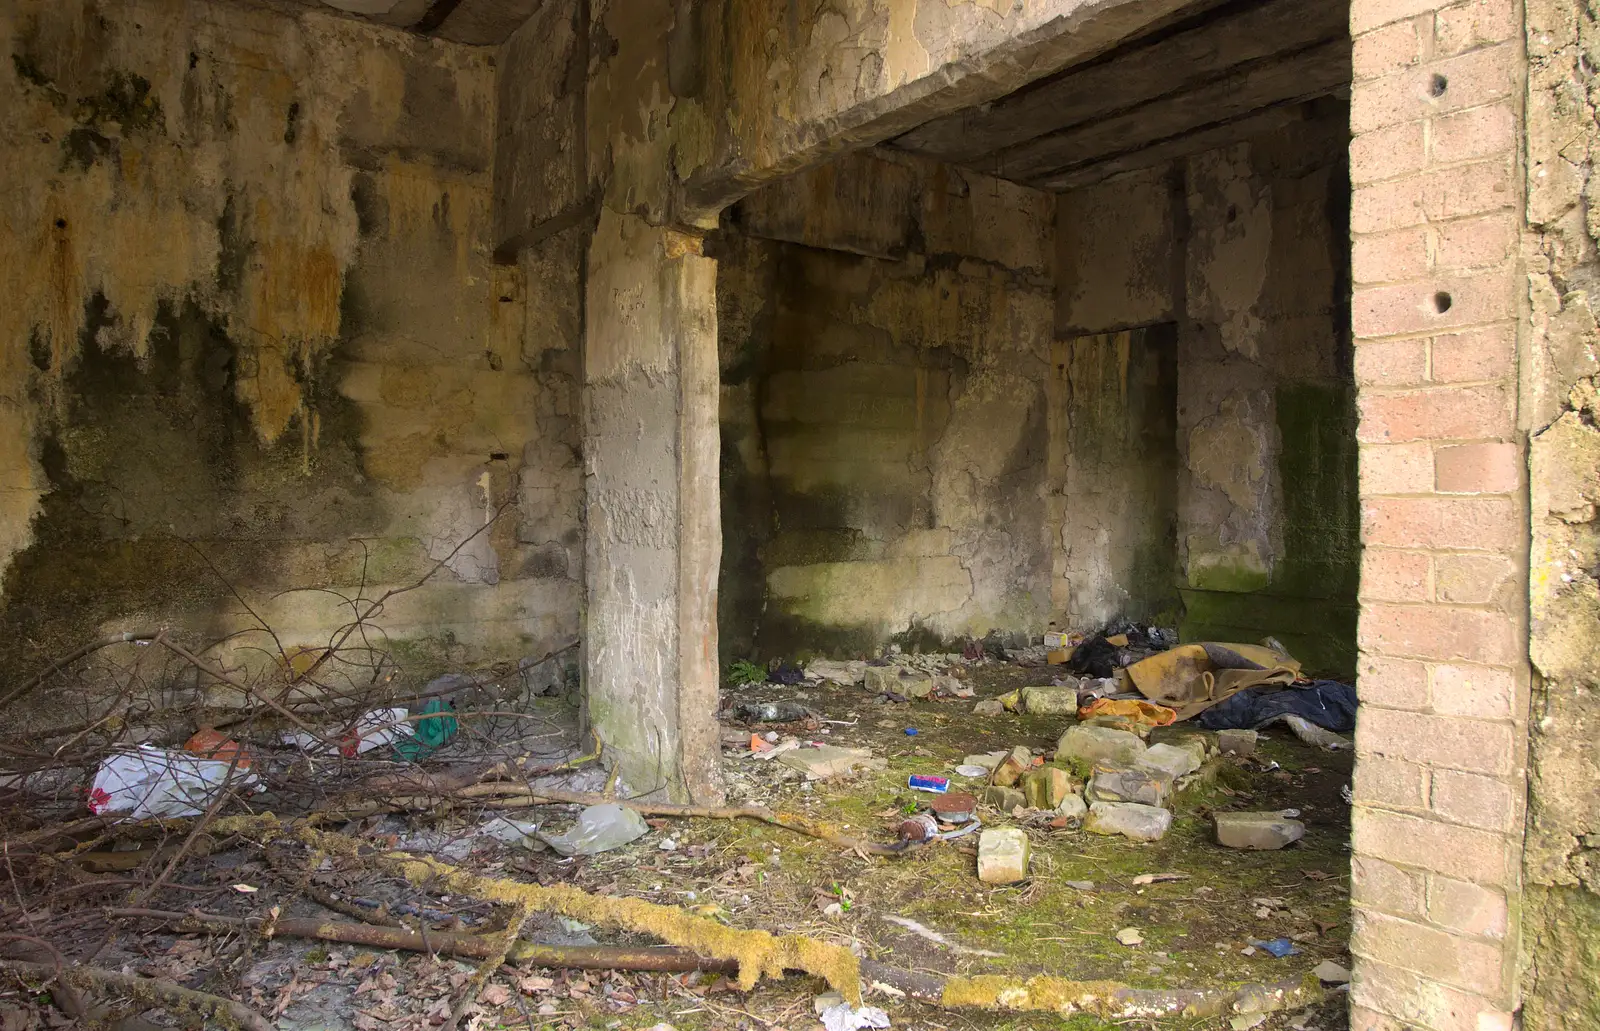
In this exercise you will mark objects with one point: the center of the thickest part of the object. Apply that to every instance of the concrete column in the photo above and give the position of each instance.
(654, 539)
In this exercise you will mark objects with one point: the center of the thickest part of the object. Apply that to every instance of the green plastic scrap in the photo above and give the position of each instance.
(432, 733)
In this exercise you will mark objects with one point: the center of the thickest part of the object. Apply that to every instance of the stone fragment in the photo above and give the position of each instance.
(1013, 766)
(1130, 819)
(1046, 787)
(1002, 855)
(1175, 762)
(1259, 831)
(1237, 742)
(1331, 972)
(1142, 730)
(1199, 743)
(988, 707)
(1050, 701)
(1073, 807)
(1130, 936)
(827, 761)
(1098, 744)
(1003, 799)
(988, 760)
(1129, 784)
(898, 680)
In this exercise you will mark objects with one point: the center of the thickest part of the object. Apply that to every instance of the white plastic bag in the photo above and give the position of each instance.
(378, 727)
(600, 828)
(149, 782)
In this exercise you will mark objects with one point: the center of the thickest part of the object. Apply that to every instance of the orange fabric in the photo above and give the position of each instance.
(1129, 708)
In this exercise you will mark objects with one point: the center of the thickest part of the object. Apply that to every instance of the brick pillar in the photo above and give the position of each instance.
(1441, 741)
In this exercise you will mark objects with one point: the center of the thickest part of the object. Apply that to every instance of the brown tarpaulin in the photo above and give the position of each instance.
(1193, 677)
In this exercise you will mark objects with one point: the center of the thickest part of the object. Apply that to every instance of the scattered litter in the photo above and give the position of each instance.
(371, 729)
(773, 751)
(435, 730)
(1195, 677)
(919, 828)
(214, 744)
(1130, 936)
(843, 1017)
(1278, 948)
(911, 732)
(954, 807)
(771, 712)
(155, 782)
(1312, 734)
(246, 889)
(1331, 972)
(1327, 704)
(1136, 710)
(600, 828)
(971, 770)
(520, 833)
(1158, 878)
(934, 936)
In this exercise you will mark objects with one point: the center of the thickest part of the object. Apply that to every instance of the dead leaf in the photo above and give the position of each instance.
(495, 994)
(246, 889)
(534, 983)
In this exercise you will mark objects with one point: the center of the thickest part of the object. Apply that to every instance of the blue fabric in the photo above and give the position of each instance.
(1327, 703)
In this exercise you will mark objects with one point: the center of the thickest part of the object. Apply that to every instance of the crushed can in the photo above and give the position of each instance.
(926, 782)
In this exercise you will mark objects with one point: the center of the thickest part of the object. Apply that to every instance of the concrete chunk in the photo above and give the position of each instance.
(1199, 743)
(1099, 744)
(827, 761)
(1003, 799)
(1046, 787)
(1175, 762)
(898, 680)
(1130, 784)
(1050, 701)
(1073, 807)
(1237, 742)
(1002, 855)
(1259, 831)
(1130, 819)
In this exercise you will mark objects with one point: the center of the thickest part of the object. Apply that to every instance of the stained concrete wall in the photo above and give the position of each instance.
(1244, 250)
(1561, 901)
(885, 324)
(248, 313)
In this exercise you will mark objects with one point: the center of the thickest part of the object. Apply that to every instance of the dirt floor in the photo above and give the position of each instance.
(1196, 930)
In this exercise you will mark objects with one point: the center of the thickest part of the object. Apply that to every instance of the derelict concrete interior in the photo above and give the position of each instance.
(974, 456)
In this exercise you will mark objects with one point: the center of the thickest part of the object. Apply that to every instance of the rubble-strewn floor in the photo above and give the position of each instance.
(1196, 930)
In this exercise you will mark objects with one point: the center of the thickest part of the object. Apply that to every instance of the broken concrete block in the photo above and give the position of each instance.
(1073, 807)
(988, 760)
(1092, 744)
(1120, 723)
(1259, 831)
(827, 761)
(988, 707)
(1002, 855)
(1044, 788)
(1199, 743)
(1237, 742)
(1130, 819)
(1013, 766)
(1050, 701)
(1129, 784)
(1175, 762)
(898, 680)
(1003, 799)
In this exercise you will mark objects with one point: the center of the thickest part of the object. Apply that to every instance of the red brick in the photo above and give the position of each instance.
(1494, 468)
(1369, 14)
(1473, 801)
(1446, 193)
(1468, 908)
(1439, 632)
(1390, 49)
(1387, 152)
(1445, 413)
(1477, 132)
(1438, 954)
(1470, 80)
(1474, 24)
(1474, 243)
(1393, 683)
(1395, 575)
(1474, 355)
(1391, 363)
(1390, 783)
(1445, 742)
(1467, 523)
(1415, 307)
(1396, 469)
(1416, 1001)
(1390, 257)
(1377, 884)
(1480, 691)
(1462, 852)
(1474, 579)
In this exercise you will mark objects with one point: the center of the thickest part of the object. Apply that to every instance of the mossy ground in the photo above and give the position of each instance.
(1194, 929)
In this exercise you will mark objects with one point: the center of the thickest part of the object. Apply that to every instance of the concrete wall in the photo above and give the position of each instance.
(248, 313)
(885, 328)
(1242, 251)
(1561, 405)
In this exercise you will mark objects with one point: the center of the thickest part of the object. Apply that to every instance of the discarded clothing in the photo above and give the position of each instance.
(1118, 645)
(1327, 703)
(1137, 710)
(431, 733)
(1191, 678)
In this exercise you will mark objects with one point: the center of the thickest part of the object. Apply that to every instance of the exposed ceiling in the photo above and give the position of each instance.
(1216, 78)
(479, 22)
